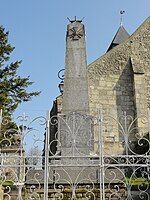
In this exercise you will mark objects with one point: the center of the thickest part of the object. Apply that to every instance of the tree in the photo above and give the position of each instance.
(13, 88)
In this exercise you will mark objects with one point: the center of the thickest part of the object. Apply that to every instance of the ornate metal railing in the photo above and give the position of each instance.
(16, 166)
(83, 157)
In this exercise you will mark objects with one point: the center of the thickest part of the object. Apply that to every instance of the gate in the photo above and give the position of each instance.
(83, 158)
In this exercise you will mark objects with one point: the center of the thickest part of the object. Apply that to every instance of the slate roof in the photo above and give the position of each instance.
(119, 38)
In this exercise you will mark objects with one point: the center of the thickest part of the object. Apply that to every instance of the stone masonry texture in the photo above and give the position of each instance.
(119, 81)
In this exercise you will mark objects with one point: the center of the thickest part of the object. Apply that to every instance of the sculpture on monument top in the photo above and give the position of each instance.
(75, 32)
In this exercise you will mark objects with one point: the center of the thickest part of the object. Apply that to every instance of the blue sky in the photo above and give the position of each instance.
(37, 30)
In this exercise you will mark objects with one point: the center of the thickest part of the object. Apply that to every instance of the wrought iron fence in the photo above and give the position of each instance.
(83, 158)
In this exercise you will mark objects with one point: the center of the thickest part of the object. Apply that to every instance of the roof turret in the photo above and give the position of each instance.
(119, 38)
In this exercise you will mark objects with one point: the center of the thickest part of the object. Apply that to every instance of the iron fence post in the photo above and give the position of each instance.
(101, 164)
(148, 140)
(46, 173)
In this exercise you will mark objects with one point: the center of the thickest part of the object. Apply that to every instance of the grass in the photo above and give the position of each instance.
(137, 181)
(6, 183)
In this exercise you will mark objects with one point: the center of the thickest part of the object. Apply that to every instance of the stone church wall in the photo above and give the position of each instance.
(119, 82)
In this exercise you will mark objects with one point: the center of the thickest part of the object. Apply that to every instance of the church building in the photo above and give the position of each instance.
(118, 82)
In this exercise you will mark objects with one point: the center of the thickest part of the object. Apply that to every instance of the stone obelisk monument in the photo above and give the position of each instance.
(75, 129)
(75, 97)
